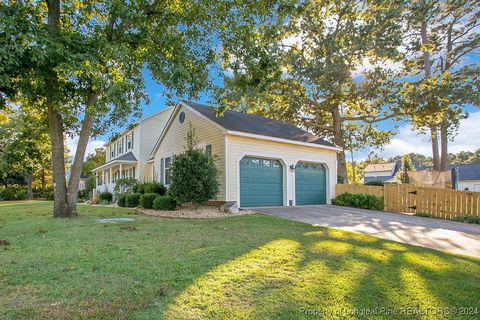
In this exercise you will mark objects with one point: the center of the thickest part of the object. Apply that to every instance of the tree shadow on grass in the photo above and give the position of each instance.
(242, 267)
(331, 273)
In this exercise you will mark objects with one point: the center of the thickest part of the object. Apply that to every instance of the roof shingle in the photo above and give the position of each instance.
(243, 122)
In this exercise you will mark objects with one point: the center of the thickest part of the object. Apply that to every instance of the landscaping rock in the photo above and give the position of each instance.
(230, 207)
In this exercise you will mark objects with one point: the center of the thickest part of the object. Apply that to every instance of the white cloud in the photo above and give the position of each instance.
(366, 66)
(91, 146)
(407, 140)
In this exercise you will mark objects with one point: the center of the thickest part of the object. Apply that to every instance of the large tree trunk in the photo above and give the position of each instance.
(444, 146)
(55, 125)
(29, 186)
(339, 141)
(435, 155)
(60, 205)
(43, 179)
(76, 169)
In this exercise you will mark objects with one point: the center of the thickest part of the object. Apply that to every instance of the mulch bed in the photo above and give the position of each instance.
(203, 212)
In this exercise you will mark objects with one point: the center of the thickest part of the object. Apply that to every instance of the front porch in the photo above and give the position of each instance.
(108, 174)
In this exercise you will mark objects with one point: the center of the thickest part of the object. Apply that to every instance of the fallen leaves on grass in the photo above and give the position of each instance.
(129, 227)
(161, 291)
(4, 242)
(69, 268)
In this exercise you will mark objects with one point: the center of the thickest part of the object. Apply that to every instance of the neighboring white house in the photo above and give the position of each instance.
(384, 172)
(262, 162)
(127, 155)
(468, 177)
(82, 183)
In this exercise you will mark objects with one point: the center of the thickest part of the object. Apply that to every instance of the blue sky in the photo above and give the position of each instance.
(405, 141)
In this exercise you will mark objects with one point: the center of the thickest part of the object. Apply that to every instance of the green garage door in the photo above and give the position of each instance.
(260, 182)
(310, 183)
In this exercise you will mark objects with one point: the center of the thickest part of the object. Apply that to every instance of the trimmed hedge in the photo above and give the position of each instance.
(164, 203)
(363, 201)
(106, 197)
(150, 187)
(121, 198)
(132, 200)
(146, 200)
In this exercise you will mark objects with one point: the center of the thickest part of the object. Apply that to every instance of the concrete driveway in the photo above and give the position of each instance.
(450, 236)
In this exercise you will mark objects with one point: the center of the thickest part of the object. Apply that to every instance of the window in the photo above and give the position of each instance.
(112, 155)
(208, 150)
(119, 148)
(181, 117)
(168, 170)
(129, 141)
(162, 168)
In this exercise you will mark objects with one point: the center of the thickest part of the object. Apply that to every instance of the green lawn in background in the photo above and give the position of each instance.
(253, 267)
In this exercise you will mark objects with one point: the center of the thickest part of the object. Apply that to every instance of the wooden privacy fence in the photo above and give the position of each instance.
(409, 198)
(359, 188)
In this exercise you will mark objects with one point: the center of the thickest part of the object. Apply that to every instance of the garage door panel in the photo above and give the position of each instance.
(261, 182)
(310, 184)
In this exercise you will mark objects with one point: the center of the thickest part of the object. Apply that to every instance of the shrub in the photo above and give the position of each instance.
(121, 199)
(82, 195)
(155, 187)
(106, 197)
(139, 188)
(125, 185)
(363, 201)
(194, 174)
(132, 200)
(13, 192)
(146, 200)
(468, 219)
(150, 187)
(374, 183)
(164, 203)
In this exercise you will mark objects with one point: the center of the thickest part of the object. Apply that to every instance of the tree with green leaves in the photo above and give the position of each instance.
(92, 161)
(82, 62)
(25, 145)
(464, 157)
(421, 159)
(406, 166)
(439, 38)
(303, 70)
(359, 136)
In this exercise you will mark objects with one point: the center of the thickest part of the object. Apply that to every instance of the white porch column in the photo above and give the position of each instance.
(96, 179)
(110, 176)
(103, 178)
(121, 174)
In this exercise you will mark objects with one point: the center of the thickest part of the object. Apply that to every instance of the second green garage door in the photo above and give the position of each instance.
(310, 183)
(261, 182)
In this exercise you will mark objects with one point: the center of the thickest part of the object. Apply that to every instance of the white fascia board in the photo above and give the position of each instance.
(114, 162)
(268, 138)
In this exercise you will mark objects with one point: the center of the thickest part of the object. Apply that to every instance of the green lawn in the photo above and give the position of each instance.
(241, 267)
